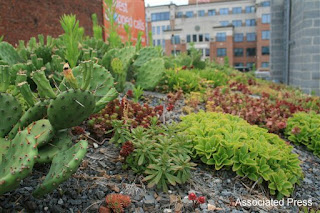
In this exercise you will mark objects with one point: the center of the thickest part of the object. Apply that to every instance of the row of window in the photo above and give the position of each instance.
(249, 22)
(221, 37)
(157, 30)
(250, 64)
(239, 52)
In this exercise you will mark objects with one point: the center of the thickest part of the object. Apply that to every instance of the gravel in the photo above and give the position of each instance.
(102, 174)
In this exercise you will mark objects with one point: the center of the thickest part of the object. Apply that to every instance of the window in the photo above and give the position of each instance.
(207, 37)
(153, 30)
(221, 37)
(189, 14)
(201, 13)
(236, 23)
(250, 22)
(160, 16)
(250, 64)
(238, 52)
(221, 52)
(236, 10)
(194, 38)
(224, 11)
(250, 9)
(211, 12)
(154, 42)
(265, 50)
(238, 64)
(163, 43)
(224, 23)
(175, 39)
(265, 19)
(179, 15)
(265, 64)
(251, 51)
(177, 52)
(158, 42)
(158, 30)
(163, 28)
(265, 4)
(251, 36)
(207, 52)
(238, 37)
(200, 37)
(188, 38)
(265, 35)
(168, 27)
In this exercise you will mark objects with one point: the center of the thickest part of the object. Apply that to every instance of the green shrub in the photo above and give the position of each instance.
(215, 77)
(224, 140)
(304, 128)
(158, 152)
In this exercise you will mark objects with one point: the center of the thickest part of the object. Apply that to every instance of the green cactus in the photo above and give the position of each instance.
(42, 130)
(64, 164)
(43, 84)
(61, 142)
(126, 55)
(119, 73)
(70, 108)
(4, 78)
(18, 162)
(24, 88)
(8, 54)
(145, 55)
(110, 96)
(4, 146)
(37, 62)
(37, 112)
(150, 74)
(10, 113)
(107, 58)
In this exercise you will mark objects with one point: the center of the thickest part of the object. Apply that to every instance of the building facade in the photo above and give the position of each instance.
(295, 43)
(238, 29)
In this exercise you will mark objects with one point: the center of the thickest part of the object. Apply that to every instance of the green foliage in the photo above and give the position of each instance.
(224, 140)
(158, 152)
(304, 128)
(119, 73)
(137, 93)
(215, 77)
(114, 39)
(97, 30)
(71, 37)
(1, 38)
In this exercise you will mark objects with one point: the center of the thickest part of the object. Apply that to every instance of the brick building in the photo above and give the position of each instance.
(238, 29)
(21, 20)
(295, 43)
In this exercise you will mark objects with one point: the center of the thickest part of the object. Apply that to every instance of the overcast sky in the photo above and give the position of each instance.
(164, 2)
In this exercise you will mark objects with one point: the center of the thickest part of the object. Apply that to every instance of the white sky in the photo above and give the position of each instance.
(164, 2)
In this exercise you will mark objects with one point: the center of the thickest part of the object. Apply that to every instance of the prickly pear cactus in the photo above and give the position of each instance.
(37, 112)
(64, 164)
(10, 113)
(70, 108)
(42, 130)
(4, 146)
(126, 55)
(61, 142)
(107, 58)
(9, 54)
(119, 73)
(150, 74)
(145, 55)
(18, 162)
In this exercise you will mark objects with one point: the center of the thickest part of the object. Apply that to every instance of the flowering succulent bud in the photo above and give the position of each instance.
(201, 199)
(192, 196)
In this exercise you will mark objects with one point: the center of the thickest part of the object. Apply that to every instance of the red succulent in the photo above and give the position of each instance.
(192, 196)
(201, 199)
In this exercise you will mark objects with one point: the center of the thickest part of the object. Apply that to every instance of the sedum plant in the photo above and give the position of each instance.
(224, 140)
(304, 128)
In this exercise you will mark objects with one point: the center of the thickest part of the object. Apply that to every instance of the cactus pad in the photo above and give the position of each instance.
(61, 142)
(18, 162)
(64, 164)
(10, 113)
(150, 74)
(42, 130)
(145, 55)
(38, 111)
(70, 108)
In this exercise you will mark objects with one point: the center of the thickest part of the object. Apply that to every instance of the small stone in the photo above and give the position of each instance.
(186, 200)
(31, 205)
(167, 211)
(308, 181)
(100, 195)
(46, 208)
(60, 201)
(102, 164)
(95, 145)
(203, 206)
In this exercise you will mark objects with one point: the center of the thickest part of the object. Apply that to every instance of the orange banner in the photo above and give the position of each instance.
(131, 12)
